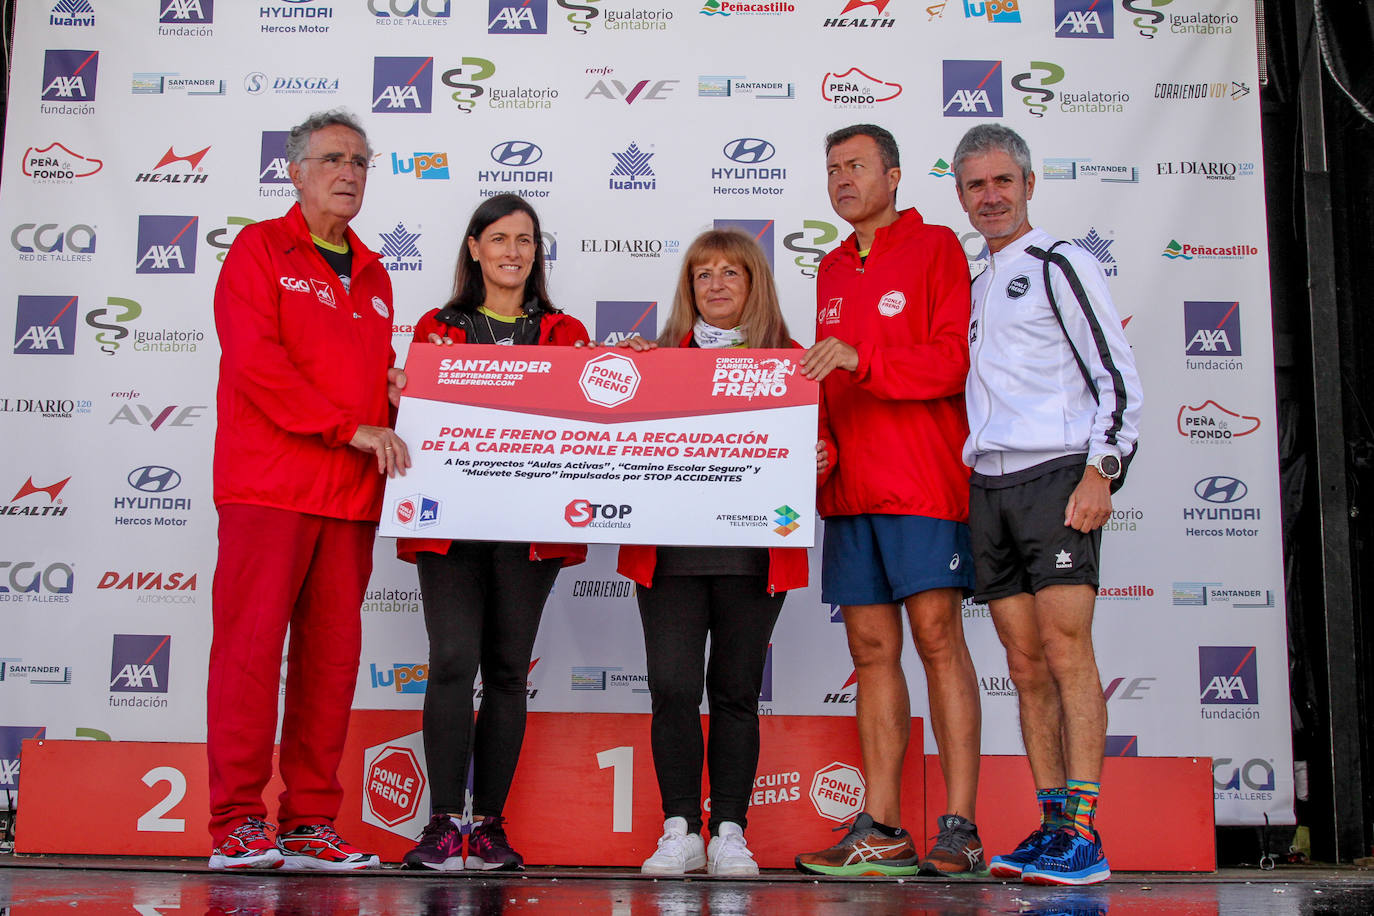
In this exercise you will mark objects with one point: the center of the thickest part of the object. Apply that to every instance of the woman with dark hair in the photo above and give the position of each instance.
(725, 298)
(483, 599)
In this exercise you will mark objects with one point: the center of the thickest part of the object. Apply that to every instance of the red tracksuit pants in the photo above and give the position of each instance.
(278, 568)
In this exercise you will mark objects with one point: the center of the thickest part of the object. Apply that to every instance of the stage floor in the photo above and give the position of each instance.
(52, 884)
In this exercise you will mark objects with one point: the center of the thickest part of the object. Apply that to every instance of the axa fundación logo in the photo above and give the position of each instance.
(972, 88)
(402, 85)
(166, 245)
(619, 319)
(1211, 332)
(69, 79)
(45, 325)
(517, 17)
(1084, 19)
(140, 664)
(1228, 676)
(182, 17)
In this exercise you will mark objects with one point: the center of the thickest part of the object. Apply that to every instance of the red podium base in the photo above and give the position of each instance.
(593, 774)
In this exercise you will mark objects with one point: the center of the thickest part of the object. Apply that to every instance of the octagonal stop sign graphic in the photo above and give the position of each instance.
(609, 380)
(394, 785)
(837, 791)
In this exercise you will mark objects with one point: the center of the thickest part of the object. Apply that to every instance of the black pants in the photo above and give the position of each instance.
(678, 613)
(482, 601)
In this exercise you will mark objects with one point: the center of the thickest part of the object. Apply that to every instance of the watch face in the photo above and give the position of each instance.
(1111, 466)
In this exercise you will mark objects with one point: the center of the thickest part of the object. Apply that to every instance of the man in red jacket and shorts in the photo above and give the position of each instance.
(303, 313)
(891, 354)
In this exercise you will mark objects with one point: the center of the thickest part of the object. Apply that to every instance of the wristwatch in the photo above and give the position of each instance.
(1109, 466)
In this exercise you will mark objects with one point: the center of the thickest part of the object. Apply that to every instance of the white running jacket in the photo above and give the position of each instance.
(1028, 399)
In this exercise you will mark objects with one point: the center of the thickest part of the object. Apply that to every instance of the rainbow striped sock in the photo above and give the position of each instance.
(1051, 803)
(1081, 809)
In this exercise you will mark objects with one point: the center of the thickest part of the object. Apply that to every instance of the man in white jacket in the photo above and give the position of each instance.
(1053, 405)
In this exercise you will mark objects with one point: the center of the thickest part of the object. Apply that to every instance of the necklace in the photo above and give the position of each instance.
(507, 341)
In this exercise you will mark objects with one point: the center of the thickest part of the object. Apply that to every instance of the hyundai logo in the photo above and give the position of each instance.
(1220, 489)
(517, 153)
(154, 478)
(748, 149)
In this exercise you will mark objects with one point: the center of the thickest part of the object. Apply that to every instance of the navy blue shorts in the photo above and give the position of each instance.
(880, 559)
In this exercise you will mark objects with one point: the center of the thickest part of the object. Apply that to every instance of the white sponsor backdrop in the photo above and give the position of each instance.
(619, 118)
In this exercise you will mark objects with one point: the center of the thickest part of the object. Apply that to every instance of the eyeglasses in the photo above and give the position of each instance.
(333, 162)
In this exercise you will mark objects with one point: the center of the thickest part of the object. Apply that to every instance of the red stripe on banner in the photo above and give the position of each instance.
(606, 384)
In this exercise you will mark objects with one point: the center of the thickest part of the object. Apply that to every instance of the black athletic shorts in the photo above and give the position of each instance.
(1020, 541)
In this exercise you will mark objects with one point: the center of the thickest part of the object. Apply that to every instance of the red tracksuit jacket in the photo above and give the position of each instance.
(303, 365)
(898, 420)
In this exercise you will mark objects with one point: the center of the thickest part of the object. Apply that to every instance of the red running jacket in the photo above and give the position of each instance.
(556, 330)
(303, 365)
(898, 420)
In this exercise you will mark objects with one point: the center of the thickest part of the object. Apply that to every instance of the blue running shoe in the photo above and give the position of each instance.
(1011, 864)
(1068, 859)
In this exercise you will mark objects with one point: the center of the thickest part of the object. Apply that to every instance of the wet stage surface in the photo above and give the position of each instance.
(51, 884)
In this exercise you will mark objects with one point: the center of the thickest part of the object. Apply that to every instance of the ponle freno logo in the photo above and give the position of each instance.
(609, 380)
(395, 785)
(582, 513)
(417, 512)
(749, 377)
(837, 791)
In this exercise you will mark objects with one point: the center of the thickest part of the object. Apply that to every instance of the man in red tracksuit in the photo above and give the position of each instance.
(303, 313)
(892, 354)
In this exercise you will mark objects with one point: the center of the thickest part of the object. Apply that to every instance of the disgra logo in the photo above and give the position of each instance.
(581, 513)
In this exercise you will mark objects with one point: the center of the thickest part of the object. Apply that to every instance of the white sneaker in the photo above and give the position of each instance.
(678, 851)
(728, 854)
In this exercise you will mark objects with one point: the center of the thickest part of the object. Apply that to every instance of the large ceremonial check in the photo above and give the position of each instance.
(564, 444)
